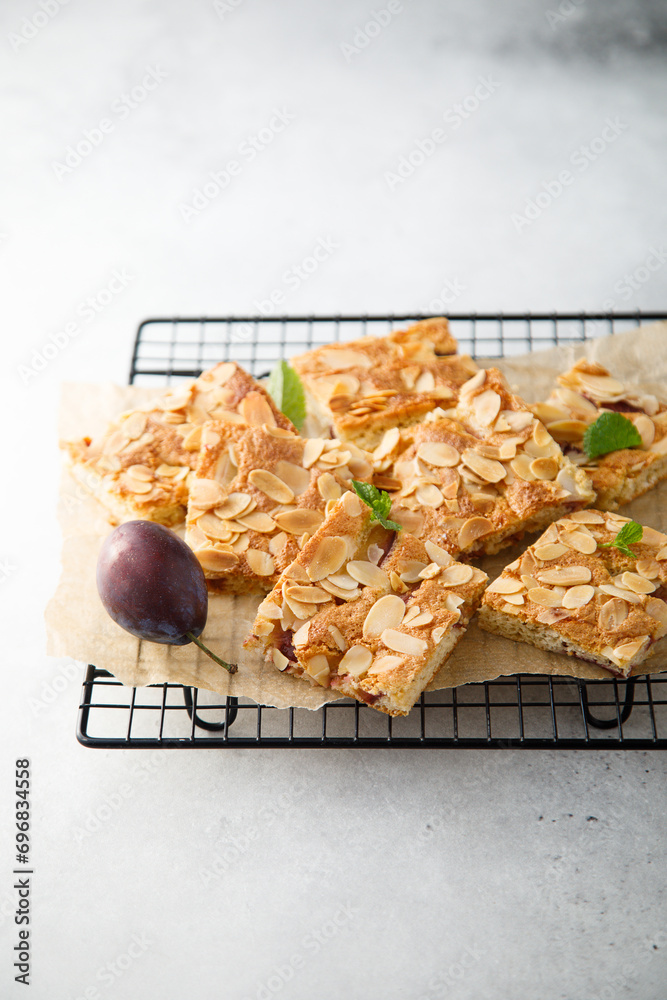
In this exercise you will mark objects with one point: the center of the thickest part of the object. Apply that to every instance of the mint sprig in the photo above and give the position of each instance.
(629, 533)
(286, 390)
(610, 432)
(379, 502)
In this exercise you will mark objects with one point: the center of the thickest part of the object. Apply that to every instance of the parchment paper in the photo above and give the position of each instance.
(78, 626)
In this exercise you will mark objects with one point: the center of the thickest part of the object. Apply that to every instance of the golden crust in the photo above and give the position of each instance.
(582, 394)
(139, 467)
(363, 387)
(257, 495)
(386, 611)
(568, 593)
(474, 478)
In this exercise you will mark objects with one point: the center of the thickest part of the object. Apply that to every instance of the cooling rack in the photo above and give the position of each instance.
(528, 711)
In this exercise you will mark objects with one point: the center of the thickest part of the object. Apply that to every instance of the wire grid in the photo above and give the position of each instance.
(530, 711)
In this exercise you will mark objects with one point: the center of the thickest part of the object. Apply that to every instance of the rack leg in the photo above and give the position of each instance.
(230, 714)
(628, 703)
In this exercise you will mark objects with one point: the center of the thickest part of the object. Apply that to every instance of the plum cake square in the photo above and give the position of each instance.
(368, 612)
(363, 387)
(582, 395)
(581, 591)
(258, 494)
(475, 477)
(139, 468)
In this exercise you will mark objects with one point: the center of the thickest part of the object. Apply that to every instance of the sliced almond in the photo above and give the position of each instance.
(213, 527)
(438, 632)
(383, 664)
(260, 562)
(312, 451)
(278, 543)
(521, 467)
(300, 637)
(485, 468)
(581, 541)
(486, 407)
(545, 598)
(389, 441)
(472, 529)
(318, 668)
(338, 637)
(601, 386)
(343, 580)
(517, 420)
(552, 615)
(216, 561)
(138, 486)
(255, 520)
(639, 584)
(648, 568)
(587, 517)
(205, 493)
(388, 612)
(328, 558)
(657, 609)
(651, 536)
(612, 614)
(401, 642)
(345, 594)
(340, 358)
(255, 410)
(368, 574)
(544, 468)
(646, 428)
(411, 520)
(279, 659)
(356, 661)
(438, 554)
(549, 551)
(456, 575)
(425, 382)
(567, 431)
(505, 585)
(411, 569)
(453, 602)
(269, 609)
(307, 595)
(300, 520)
(328, 488)
(438, 453)
(627, 650)
(517, 599)
(578, 597)
(271, 485)
(429, 495)
(473, 383)
(621, 593)
(296, 477)
(413, 612)
(568, 576)
(134, 426)
(351, 504)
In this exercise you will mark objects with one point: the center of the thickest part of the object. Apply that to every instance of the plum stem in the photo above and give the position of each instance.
(228, 666)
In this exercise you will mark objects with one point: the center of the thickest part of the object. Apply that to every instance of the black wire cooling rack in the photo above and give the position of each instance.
(522, 711)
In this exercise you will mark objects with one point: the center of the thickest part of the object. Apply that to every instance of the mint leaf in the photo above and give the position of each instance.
(379, 502)
(629, 533)
(610, 432)
(285, 389)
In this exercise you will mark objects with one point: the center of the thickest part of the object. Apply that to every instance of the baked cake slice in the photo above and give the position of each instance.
(570, 595)
(371, 613)
(475, 477)
(139, 468)
(258, 494)
(363, 387)
(582, 395)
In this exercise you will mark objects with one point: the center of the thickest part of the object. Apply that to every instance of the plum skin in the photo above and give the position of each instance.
(151, 583)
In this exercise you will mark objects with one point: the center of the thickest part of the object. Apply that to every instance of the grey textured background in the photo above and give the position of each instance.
(364, 875)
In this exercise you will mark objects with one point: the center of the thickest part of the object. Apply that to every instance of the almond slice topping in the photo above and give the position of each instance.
(544, 468)
(299, 521)
(216, 561)
(425, 618)
(300, 637)
(351, 504)
(382, 664)
(389, 441)
(270, 485)
(578, 597)
(486, 407)
(637, 583)
(318, 668)
(581, 541)
(520, 466)
(255, 520)
(455, 575)
(429, 495)
(545, 598)
(612, 614)
(646, 429)
(255, 410)
(550, 551)
(587, 517)
(213, 527)
(328, 558)
(338, 637)
(356, 661)
(472, 529)
(453, 602)
(312, 451)
(410, 570)
(388, 612)
(368, 574)
(296, 477)
(624, 595)
(485, 468)
(657, 609)
(260, 562)
(307, 595)
(438, 453)
(206, 493)
(438, 554)
(568, 576)
(401, 642)
(514, 598)
(328, 488)
(279, 659)
(269, 609)
(627, 650)
(505, 585)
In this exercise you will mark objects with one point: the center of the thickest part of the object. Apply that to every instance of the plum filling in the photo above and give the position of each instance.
(286, 646)
(387, 546)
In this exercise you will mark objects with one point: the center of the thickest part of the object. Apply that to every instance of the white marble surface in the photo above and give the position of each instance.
(363, 875)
